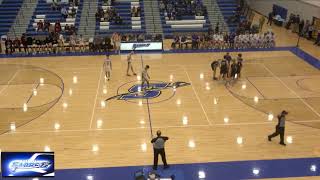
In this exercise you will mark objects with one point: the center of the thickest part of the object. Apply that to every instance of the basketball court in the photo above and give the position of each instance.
(59, 104)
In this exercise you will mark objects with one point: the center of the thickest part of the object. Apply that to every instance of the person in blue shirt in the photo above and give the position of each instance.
(195, 43)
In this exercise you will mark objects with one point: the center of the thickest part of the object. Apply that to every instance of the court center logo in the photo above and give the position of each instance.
(135, 91)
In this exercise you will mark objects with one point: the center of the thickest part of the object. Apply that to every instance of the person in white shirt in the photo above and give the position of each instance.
(236, 42)
(107, 67)
(241, 41)
(145, 78)
(73, 42)
(221, 41)
(61, 43)
(251, 40)
(255, 40)
(129, 60)
(81, 43)
(263, 40)
(273, 40)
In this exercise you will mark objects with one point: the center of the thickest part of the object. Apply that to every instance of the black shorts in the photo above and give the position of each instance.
(233, 73)
(224, 71)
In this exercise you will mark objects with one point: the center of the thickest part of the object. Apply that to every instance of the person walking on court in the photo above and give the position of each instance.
(145, 78)
(107, 67)
(129, 60)
(239, 65)
(280, 127)
(158, 148)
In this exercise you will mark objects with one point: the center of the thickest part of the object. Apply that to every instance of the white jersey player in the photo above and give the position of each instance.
(107, 67)
(145, 78)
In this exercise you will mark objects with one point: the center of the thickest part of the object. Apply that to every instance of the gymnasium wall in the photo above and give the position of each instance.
(307, 9)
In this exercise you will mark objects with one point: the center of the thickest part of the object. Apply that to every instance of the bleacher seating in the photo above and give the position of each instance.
(131, 25)
(228, 8)
(8, 12)
(186, 23)
(44, 11)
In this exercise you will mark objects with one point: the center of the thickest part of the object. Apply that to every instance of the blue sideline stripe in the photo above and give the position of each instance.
(306, 57)
(236, 170)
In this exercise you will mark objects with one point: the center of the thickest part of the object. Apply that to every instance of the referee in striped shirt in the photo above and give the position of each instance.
(280, 128)
(158, 148)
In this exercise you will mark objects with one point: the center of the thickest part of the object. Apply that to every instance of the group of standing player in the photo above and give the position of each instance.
(266, 40)
(144, 75)
(229, 68)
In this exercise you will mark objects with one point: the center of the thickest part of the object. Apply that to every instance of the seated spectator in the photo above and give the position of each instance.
(131, 38)
(138, 12)
(106, 17)
(158, 37)
(216, 29)
(183, 41)
(74, 2)
(81, 42)
(113, 13)
(162, 6)
(34, 46)
(140, 38)
(40, 26)
(124, 38)
(54, 44)
(118, 20)
(55, 5)
(97, 16)
(73, 29)
(195, 41)
(9, 46)
(64, 12)
(176, 41)
(57, 27)
(43, 46)
(51, 28)
(67, 29)
(17, 45)
(73, 12)
(38, 44)
(106, 2)
(61, 43)
(29, 43)
(46, 25)
(73, 42)
(48, 44)
(133, 11)
(24, 43)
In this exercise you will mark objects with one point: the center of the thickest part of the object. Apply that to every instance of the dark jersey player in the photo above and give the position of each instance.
(223, 69)
(234, 69)
(228, 58)
(240, 61)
